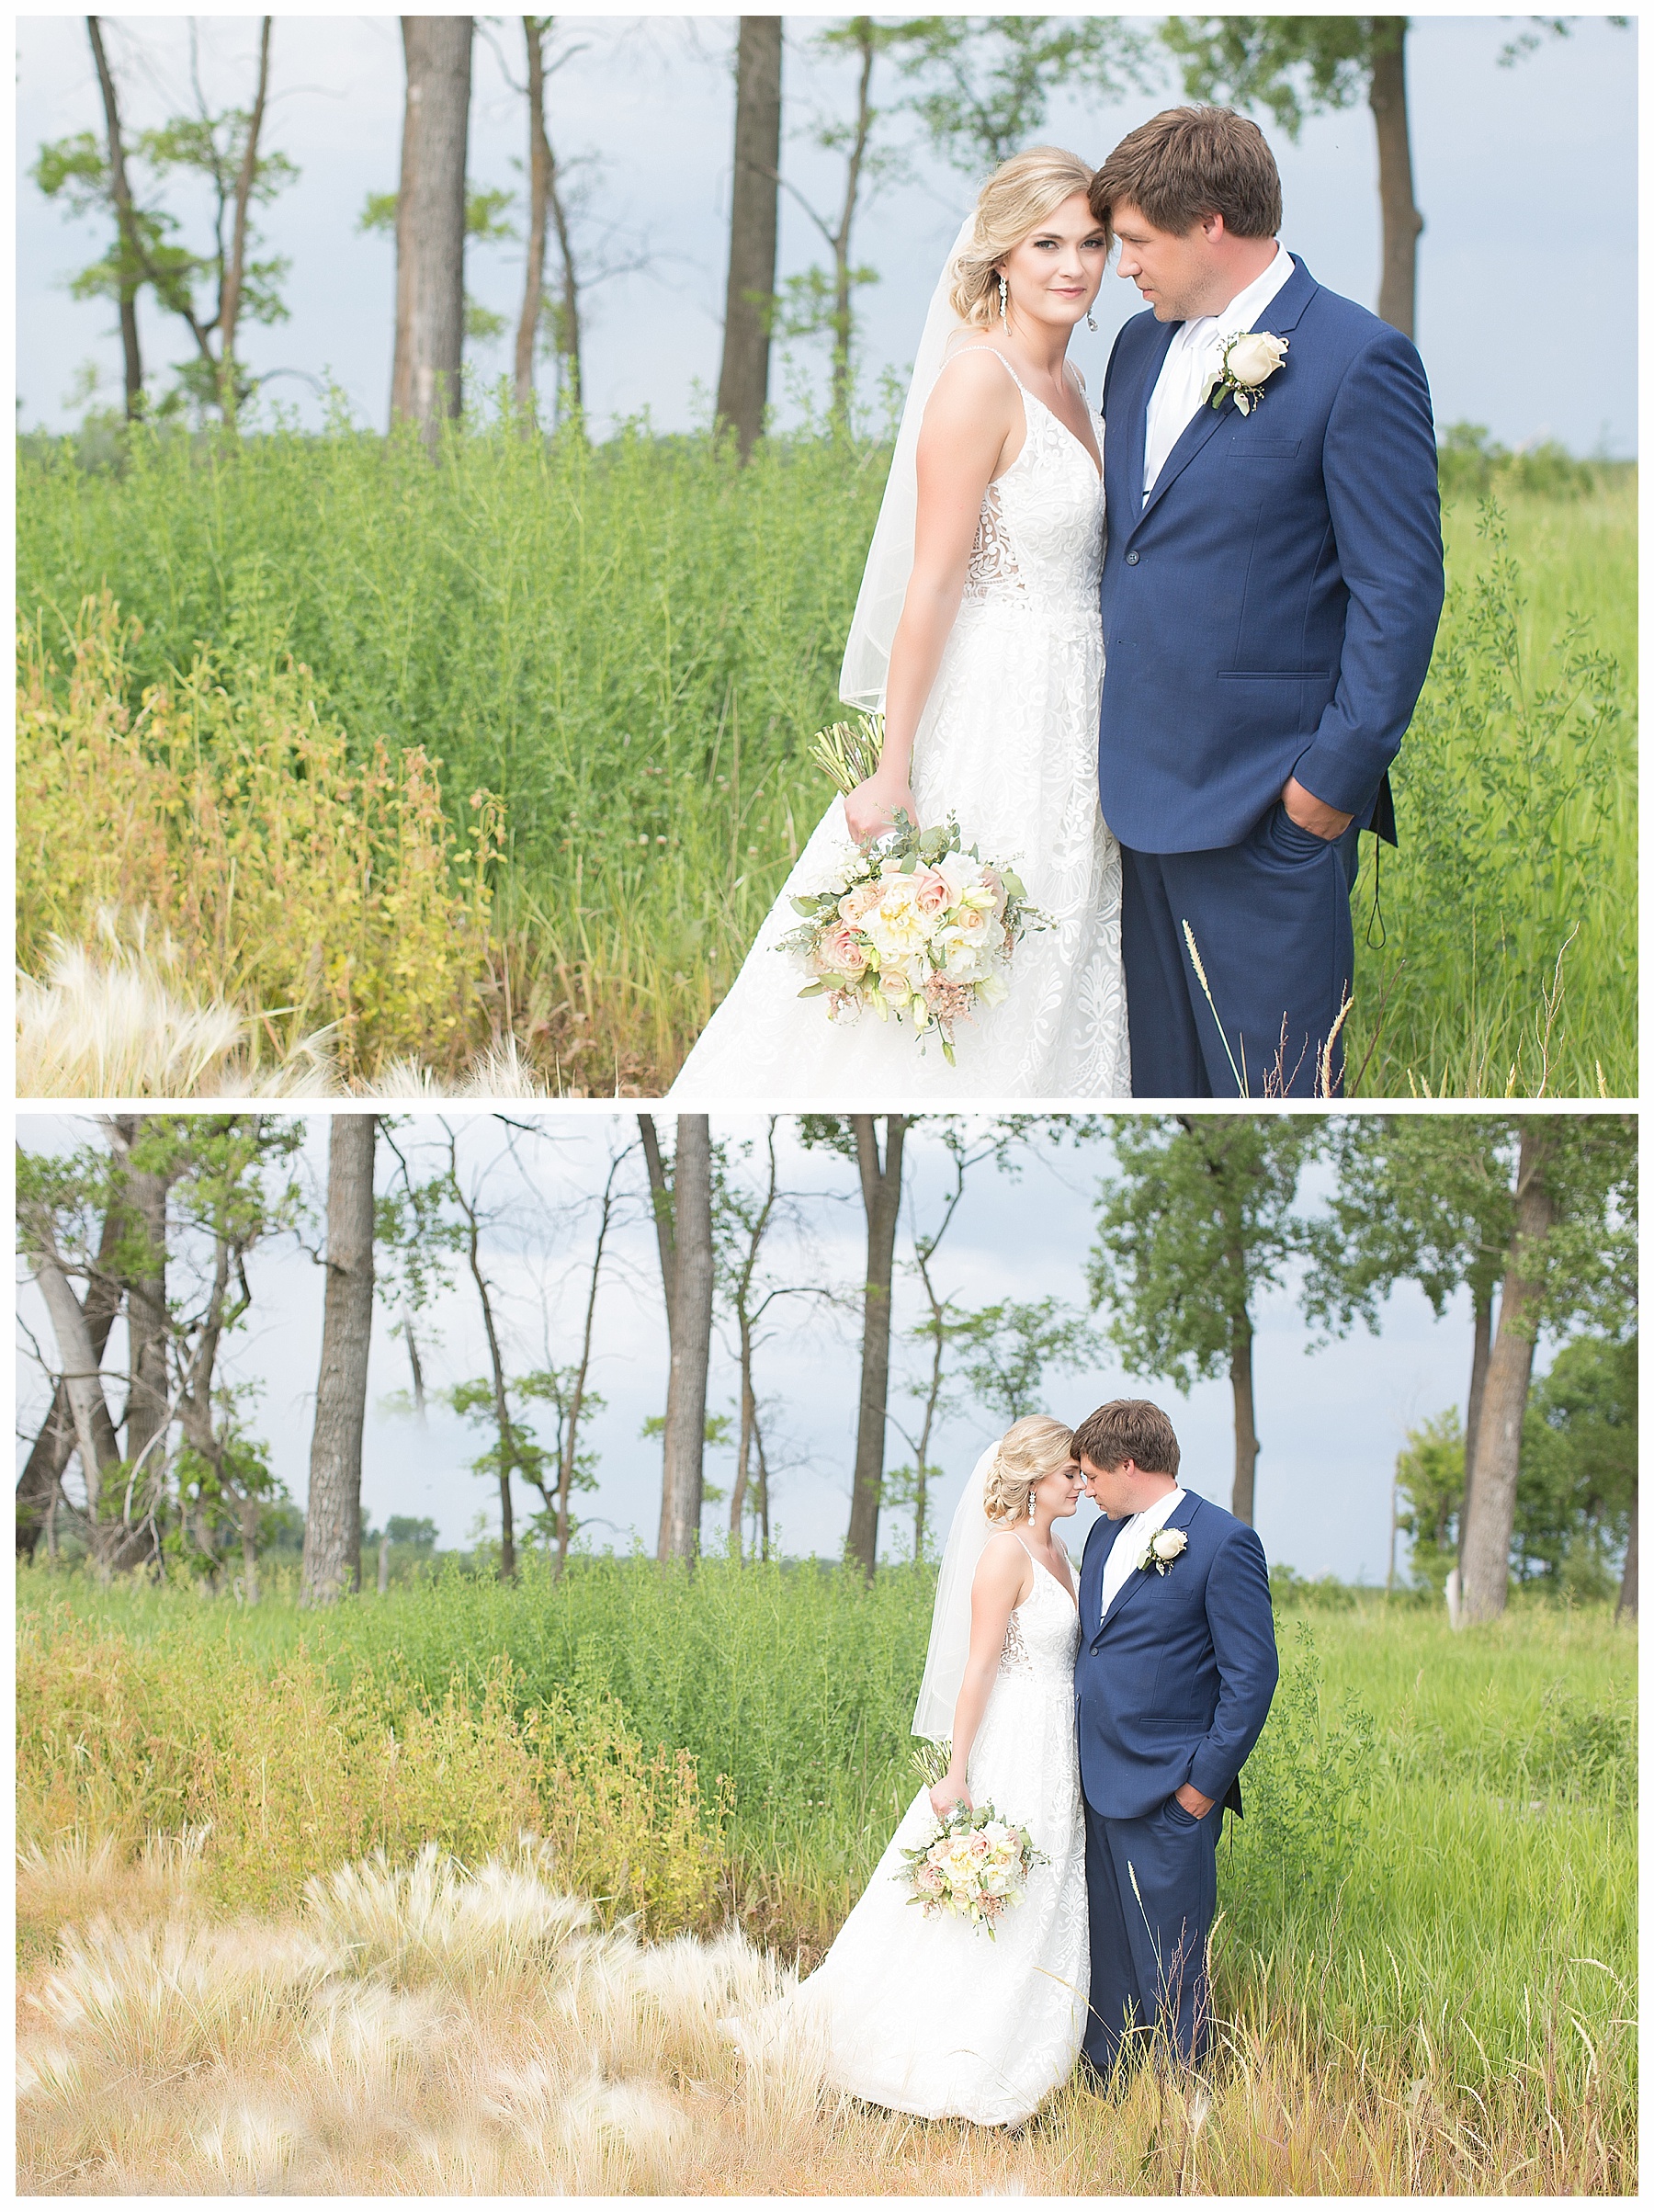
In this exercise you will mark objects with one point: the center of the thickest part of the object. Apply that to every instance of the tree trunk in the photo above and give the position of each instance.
(1386, 94)
(743, 1451)
(539, 184)
(430, 222)
(660, 1192)
(504, 1428)
(691, 1336)
(229, 310)
(842, 326)
(148, 1415)
(764, 1491)
(1481, 1338)
(1492, 1510)
(120, 191)
(744, 378)
(567, 1463)
(1246, 1437)
(572, 385)
(248, 1509)
(52, 1449)
(384, 1563)
(1628, 1593)
(881, 1197)
(333, 1515)
(83, 1384)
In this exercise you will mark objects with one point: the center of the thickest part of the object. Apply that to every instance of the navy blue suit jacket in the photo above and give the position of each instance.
(1271, 611)
(1175, 1685)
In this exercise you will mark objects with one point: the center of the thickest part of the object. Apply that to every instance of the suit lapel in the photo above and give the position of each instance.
(1281, 315)
(1137, 418)
(1134, 1583)
(1091, 1573)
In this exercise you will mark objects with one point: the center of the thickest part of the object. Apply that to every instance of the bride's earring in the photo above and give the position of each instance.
(1091, 321)
(1005, 295)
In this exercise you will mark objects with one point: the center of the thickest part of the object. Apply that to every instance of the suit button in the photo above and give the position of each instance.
(1131, 561)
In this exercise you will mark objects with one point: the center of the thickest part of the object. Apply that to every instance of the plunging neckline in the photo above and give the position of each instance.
(1071, 1594)
(1094, 459)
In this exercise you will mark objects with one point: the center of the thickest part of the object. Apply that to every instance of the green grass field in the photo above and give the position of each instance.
(1437, 1872)
(631, 644)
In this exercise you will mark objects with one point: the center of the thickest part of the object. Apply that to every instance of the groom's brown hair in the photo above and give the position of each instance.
(1129, 1428)
(1190, 162)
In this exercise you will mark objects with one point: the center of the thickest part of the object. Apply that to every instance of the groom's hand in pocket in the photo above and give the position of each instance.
(1190, 1798)
(1311, 813)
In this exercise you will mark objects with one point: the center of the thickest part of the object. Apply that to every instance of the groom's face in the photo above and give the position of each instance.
(1112, 1489)
(1178, 274)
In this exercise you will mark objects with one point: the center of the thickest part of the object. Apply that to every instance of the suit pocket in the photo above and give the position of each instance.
(1179, 1815)
(1245, 446)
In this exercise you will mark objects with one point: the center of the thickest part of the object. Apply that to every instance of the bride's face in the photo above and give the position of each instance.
(1060, 1492)
(1053, 274)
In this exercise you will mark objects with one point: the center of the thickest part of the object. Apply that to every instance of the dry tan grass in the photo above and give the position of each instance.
(431, 2031)
(117, 1020)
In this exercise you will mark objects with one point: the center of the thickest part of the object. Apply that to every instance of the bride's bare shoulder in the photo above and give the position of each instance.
(1003, 1557)
(976, 375)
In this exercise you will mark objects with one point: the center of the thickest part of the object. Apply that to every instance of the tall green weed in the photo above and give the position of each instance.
(1500, 952)
(631, 643)
(307, 891)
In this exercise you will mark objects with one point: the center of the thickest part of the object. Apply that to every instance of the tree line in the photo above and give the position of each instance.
(1533, 1216)
(970, 89)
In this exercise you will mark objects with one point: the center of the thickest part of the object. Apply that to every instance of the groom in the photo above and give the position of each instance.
(1175, 1669)
(1271, 588)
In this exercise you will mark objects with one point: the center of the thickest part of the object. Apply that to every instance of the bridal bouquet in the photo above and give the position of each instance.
(917, 925)
(975, 1867)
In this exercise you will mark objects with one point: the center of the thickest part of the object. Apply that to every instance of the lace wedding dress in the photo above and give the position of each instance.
(1008, 744)
(930, 2017)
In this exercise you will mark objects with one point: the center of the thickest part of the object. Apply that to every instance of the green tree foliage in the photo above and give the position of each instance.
(1429, 1496)
(405, 1528)
(230, 1187)
(1199, 1220)
(1295, 66)
(984, 82)
(1006, 1348)
(1419, 1197)
(201, 152)
(1574, 1489)
(1579, 1467)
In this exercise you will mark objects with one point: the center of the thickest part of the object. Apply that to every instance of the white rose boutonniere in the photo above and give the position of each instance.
(1248, 361)
(1164, 1546)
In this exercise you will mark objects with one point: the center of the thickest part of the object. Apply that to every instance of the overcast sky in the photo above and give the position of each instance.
(1526, 177)
(1330, 1420)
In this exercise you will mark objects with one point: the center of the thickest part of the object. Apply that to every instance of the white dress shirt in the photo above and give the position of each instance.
(1191, 358)
(1121, 1563)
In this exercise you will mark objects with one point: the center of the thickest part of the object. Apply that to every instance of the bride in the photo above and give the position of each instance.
(928, 2016)
(977, 631)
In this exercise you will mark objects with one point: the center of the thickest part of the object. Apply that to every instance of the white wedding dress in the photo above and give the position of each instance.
(1008, 744)
(932, 2016)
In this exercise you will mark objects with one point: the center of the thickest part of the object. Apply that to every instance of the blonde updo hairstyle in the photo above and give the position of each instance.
(1028, 1451)
(1021, 194)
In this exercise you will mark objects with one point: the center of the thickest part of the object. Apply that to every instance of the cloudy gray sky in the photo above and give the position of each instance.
(1526, 177)
(1331, 1420)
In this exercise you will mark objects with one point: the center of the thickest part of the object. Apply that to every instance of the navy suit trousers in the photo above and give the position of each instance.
(1271, 923)
(1148, 1937)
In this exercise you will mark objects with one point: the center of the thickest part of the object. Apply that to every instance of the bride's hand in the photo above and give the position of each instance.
(871, 808)
(949, 1792)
